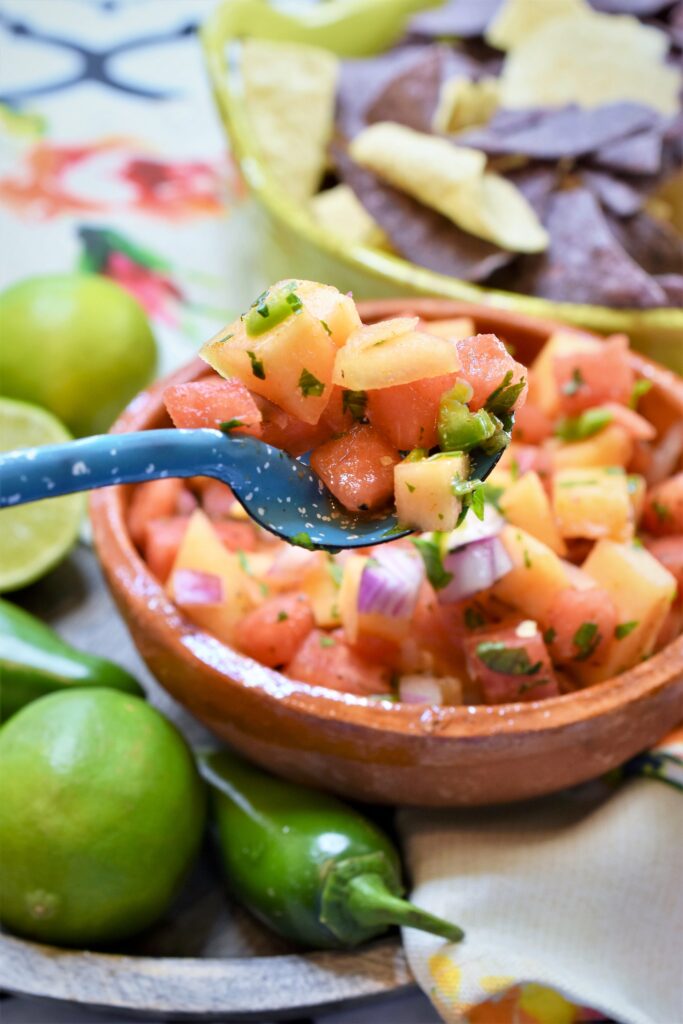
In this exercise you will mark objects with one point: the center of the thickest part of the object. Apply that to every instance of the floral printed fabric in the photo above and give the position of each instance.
(568, 902)
(113, 160)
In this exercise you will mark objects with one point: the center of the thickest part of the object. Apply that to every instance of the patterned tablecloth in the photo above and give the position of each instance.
(112, 158)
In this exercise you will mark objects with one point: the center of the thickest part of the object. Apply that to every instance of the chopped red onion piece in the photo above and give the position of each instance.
(474, 567)
(191, 587)
(390, 584)
(419, 690)
(472, 528)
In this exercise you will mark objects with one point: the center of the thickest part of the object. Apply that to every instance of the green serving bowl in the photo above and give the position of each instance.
(288, 241)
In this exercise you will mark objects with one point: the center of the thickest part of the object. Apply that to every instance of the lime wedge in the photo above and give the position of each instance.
(35, 537)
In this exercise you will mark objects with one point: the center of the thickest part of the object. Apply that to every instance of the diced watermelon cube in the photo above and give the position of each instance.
(358, 468)
(235, 536)
(210, 402)
(162, 539)
(281, 430)
(663, 514)
(586, 379)
(484, 363)
(407, 414)
(490, 653)
(580, 625)
(155, 499)
(273, 633)
(326, 659)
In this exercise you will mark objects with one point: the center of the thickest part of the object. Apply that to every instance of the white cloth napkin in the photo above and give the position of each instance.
(575, 900)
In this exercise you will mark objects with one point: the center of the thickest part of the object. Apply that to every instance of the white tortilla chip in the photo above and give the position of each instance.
(465, 104)
(516, 20)
(591, 59)
(452, 180)
(341, 213)
(289, 93)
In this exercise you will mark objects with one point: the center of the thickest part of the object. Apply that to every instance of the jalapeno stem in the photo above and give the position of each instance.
(370, 902)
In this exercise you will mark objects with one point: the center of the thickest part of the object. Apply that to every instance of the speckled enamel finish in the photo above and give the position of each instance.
(393, 753)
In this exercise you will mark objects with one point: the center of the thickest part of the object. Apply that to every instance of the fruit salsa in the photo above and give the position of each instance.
(563, 569)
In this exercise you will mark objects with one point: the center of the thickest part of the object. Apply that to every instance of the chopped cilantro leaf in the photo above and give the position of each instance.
(578, 428)
(411, 487)
(574, 384)
(354, 402)
(549, 635)
(430, 551)
(327, 641)
(282, 616)
(586, 639)
(310, 385)
(229, 425)
(256, 365)
(505, 395)
(473, 618)
(624, 628)
(293, 300)
(472, 494)
(336, 571)
(303, 540)
(508, 661)
(640, 388)
(326, 326)
(226, 337)
(493, 494)
(661, 511)
(244, 563)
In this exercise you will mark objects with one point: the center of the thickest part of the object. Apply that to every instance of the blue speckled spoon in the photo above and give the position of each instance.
(279, 492)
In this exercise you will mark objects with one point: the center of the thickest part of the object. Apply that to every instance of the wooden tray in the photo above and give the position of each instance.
(207, 957)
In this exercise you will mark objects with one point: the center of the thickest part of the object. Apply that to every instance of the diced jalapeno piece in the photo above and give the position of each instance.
(458, 428)
(270, 309)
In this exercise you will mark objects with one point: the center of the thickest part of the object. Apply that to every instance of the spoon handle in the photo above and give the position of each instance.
(31, 474)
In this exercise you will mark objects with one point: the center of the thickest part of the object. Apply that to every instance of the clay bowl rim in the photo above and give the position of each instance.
(147, 601)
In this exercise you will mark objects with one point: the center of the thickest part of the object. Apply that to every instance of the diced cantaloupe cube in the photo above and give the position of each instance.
(323, 591)
(536, 577)
(392, 352)
(423, 491)
(289, 363)
(202, 551)
(612, 446)
(593, 503)
(336, 312)
(543, 390)
(525, 503)
(455, 329)
(642, 591)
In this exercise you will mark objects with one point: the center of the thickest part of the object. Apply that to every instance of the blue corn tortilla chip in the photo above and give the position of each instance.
(410, 98)
(417, 233)
(637, 8)
(536, 183)
(555, 134)
(361, 81)
(641, 153)
(673, 286)
(463, 19)
(584, 261)
(615, 195)
(652, 243)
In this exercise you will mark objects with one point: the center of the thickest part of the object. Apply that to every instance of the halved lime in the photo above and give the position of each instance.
(35, 537)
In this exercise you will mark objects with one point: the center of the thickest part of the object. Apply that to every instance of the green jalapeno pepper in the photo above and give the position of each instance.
(35, 661)
(458, 428)
(311, 868)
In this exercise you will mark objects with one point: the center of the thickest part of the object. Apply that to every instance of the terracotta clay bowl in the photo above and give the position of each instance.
(397, 753)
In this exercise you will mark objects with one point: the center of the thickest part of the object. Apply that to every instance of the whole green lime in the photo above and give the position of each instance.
(102, 811)
(77, 344)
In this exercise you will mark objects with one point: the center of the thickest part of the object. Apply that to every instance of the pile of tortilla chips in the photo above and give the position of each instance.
(530, 146)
